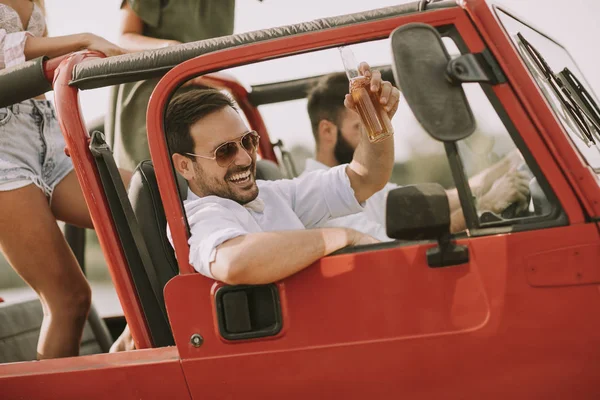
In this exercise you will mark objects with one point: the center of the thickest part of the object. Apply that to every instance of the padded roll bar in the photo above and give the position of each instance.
(23, 82)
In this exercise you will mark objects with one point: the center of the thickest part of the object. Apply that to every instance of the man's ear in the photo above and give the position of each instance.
(327, 133)
(183, 165)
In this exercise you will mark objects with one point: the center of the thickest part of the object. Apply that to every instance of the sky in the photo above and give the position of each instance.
(574, 27)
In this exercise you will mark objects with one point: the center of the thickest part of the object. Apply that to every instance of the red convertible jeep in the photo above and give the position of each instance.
(495, 311)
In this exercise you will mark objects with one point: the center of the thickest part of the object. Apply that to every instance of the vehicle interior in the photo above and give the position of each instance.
(277, 93)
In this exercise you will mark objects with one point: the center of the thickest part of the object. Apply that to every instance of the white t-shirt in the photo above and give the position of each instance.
(372, 220)
(305, 202)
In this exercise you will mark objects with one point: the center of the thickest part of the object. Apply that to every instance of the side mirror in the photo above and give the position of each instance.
(422, 212)
(420, 71)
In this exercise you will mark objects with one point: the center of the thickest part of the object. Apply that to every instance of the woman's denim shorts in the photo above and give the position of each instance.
(32, 147)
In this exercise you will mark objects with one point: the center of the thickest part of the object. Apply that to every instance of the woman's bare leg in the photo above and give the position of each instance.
(68, 204)
(35, 247)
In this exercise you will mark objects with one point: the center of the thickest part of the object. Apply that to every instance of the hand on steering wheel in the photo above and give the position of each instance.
(509, 196)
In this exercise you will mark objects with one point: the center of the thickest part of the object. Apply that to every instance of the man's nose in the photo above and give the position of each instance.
(242, 157)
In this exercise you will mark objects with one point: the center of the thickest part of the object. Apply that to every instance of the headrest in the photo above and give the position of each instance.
(147, 206)
(267, 170)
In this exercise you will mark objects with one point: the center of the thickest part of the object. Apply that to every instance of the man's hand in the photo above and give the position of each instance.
(483, 182)
(510, 188)
(389, 96)
(371, 166)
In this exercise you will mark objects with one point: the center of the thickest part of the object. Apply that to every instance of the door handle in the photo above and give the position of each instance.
(248, 311)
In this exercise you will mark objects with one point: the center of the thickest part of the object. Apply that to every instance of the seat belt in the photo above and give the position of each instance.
(103, 155)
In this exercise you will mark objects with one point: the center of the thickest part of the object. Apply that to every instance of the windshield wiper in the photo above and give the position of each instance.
(573, 96)
(581, 96)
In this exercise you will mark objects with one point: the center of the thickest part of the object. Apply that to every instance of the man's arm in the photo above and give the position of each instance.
(372, 164)
(265, 257)
(453, 199)
(511, 188)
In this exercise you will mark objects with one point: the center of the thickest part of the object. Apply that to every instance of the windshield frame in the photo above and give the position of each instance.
(569, 125)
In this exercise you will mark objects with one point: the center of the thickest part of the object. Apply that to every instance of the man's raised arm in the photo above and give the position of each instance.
(371, 167)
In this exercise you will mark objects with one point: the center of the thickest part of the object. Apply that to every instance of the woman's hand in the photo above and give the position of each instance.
(97, 43)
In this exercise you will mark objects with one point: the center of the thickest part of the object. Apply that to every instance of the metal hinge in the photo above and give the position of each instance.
(475, 67)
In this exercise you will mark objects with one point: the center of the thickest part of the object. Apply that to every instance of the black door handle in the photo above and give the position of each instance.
(248, 311)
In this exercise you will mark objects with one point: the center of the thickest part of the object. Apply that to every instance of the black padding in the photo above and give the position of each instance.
(148, 209)
(23, 82)
(278, 92)
(417, 212)
(20, 325)
(143, 65)
(420, 62)
(143, 272)
(267, 170)
(182, 186)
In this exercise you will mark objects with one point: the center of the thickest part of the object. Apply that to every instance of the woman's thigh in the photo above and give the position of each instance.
(68, 203)
(34, 245)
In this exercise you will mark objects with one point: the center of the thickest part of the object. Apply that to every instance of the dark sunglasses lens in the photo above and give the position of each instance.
(250, 141)
(226, 153)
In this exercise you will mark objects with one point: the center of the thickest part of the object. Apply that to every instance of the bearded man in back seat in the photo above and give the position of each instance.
(239, 226)
(337, 132)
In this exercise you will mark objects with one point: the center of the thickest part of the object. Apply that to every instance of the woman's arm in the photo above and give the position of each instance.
(61, 45)
(132, 29)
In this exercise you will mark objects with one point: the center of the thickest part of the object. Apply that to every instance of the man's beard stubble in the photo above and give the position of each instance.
(221, 188)
(343, 151)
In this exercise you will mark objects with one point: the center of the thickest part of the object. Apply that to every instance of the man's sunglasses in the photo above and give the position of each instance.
(226, 152)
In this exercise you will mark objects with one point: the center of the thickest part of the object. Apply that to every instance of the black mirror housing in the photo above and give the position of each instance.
(422, 212)
(420, 71)
(417, 212)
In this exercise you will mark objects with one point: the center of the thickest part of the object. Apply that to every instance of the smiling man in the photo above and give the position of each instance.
(249, 232)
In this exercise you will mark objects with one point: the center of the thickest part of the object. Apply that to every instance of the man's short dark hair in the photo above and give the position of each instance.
(326, 100)
(185, 110)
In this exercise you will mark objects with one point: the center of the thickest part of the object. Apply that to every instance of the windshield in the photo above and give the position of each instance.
(546, 61)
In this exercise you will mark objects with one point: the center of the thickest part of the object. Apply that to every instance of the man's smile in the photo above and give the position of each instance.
(241, 179)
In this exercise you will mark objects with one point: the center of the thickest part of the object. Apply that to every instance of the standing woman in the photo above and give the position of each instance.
(153, 24)
(38, 185)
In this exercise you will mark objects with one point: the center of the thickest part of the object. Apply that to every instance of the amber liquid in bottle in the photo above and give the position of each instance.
(373, 115)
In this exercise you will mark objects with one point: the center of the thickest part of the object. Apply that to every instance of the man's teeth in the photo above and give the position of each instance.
(240, 177)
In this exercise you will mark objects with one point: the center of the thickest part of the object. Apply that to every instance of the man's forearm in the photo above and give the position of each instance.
(457, 221)
(453, 200)
(265, 257)
(371, 167)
